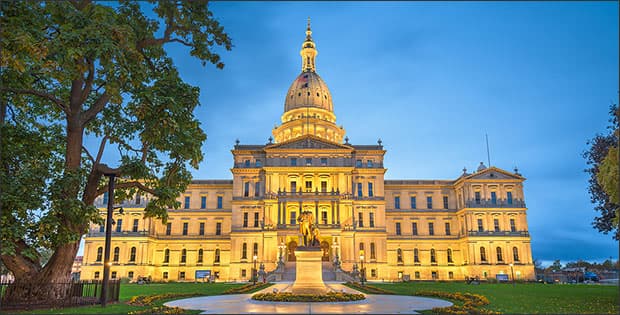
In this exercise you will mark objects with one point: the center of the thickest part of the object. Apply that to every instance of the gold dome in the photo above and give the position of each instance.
(308, 90)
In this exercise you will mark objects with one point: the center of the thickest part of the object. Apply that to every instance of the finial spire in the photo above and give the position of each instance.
(308, 51)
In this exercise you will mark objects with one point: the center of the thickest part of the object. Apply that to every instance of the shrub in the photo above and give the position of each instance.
(290, 297)
(368, 288)
(246, 288)
(471, 302)
(148, 300)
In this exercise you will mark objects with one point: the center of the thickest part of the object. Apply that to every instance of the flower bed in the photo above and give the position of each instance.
(148, 300)
(290, 297)
(471, 302)
(247, 288)
(367, 288)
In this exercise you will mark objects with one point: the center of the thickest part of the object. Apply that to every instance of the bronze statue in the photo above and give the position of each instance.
(308, 229)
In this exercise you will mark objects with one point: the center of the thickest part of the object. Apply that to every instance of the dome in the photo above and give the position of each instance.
(308, 90)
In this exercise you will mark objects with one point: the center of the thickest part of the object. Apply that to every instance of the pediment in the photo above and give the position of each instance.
(308, 142)
(494, 173)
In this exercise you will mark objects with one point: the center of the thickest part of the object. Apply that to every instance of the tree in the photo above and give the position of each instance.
(602, 161)
(76, 68)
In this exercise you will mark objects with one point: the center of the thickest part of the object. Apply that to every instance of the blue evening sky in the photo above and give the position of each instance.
(430, 80)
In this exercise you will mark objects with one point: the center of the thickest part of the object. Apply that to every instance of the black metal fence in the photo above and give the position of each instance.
(16, 296)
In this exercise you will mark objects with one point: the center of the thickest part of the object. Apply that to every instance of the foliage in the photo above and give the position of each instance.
(367, 288)
(291, 297)
(599, 159)
(248, 288)
(470, 302)
(148, 300)
(76, 69)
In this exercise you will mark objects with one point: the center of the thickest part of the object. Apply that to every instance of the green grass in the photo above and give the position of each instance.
(530, 298)
(130, 290)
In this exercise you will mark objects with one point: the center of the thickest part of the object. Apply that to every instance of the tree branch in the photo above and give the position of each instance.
(132, 184)
(88, 84)
(89, 155)
(97, 107)
(60, 104)
(101, 148)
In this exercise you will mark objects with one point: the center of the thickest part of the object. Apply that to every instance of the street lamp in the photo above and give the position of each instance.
(108, 237)
(363, 273)
(254, 269)
(513, 274)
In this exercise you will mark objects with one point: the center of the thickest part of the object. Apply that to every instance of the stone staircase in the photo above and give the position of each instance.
(288, 273)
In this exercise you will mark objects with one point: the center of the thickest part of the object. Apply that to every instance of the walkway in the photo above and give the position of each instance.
(373, 304)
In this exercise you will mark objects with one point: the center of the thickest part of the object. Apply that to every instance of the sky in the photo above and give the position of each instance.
(430, 80)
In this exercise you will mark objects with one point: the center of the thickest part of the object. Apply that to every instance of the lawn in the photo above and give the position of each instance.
(531, 298)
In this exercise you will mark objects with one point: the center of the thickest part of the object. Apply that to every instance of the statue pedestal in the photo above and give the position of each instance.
(309, 269)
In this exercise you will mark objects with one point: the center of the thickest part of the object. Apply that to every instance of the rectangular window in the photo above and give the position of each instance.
(218, 228)
(201, 230)
(509, 197)
(493, 197)
(308, 161)
(434, 275)
(397, 202)
(447, 228)
(414, 228)
(101, 228)
(255, 219)
(259, 163)
(203, 202)
(185, 226)
(371, 219)
(165, 275)
(373, 273)
(168, 228)
(220, 201)
(398, 228)
(119, 225)
(359, 189)
(370, 193)
(323, 186)
(138, 198)
(130, 275)
(182, 275)
(324, 161)
(135, 227)
(324, 217)
(113, 275)
(255, 250)
(293, 220)
(445, 202)
(480, 227)
(245, 219)
(373, 251)
(496, 225)
(416, 274)
(450, 275)
(96, 275)
(477, 196)
(293, 186)
(246, 189)
(243, 273)
(308, 186)
(416, 255)
(429, 202)
(256, 189)
(369, 163)
(186, 204)
(293, 161)
(431, 228)
(360, 219)
(513, 225)
(246, 163)
(413, 203)
(358, 163)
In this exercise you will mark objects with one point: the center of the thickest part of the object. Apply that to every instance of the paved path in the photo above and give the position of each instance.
(373, 304)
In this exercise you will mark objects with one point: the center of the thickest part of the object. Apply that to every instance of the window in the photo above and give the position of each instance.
(218, 228)
(243, 273)
(515, 254)
(496, 224)
(246, 189)
(477, 196)
(359, 189)
(499, 254)
(417, 274)
(168, 228)
(308, 161)
(201, 229)
(219, 202)
(259, 163)
(245, 219)
(493, 197)
(370, 193)
(99, 253)
(203, 202)
(509, 197)
(293, 218)
(255, 219)
(399, 255)
(200, 255)
(323, 186)
(373, 273)
(244, 251)
(105, 197)
(414, 228)
(483, 254)
(183, 255)
(361, 248)
(119, 225)
(216, 257)
(449, 255)
(434, 275)
(293, 186)
(324, 161)
(513, 226)
(433, 257)
(182, 275)
(132, 254)
(308, 186)
(398, 228)
(293, 161)
(186, 205)
(416, 255)
(135, 225)
(256, 189)
(113, 275)
(447, 228)
(101, 228)
(371, 219)
(96, 275)
(358, 163)
(480, 226)
(429, 202)
(166, 256)
(246, 163)
(360, 219)
(117, 253)
(369, 163)
(445, 202)
(138, 198)
(185, 225)
(255, 250)
(165, 275)
(130, 275)
(413, 202)
(431, 228)
(373, 254)
(324, 217)
(397, 202)
(450, 275)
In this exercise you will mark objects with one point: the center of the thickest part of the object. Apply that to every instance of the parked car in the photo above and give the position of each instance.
(590, 276)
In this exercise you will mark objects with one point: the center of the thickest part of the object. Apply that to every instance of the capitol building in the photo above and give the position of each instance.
(472, 226)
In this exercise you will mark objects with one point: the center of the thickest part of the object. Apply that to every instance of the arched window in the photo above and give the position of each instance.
(166, 256)
(483, 254)
(433, 257)
(216, 258)
(499, 254)
(244, 251)
(99, 253)
(399, 255)
(132, 254)
(117, 253)
(450, 255)
(183, 255)
(515, 254)
(416, 255)
(200, 253)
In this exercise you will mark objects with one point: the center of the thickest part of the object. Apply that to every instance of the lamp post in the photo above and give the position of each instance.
(254, 269)
(108, 237)
(513, 274)
(363, 271)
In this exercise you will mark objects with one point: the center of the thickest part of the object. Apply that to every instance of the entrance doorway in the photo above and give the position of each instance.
(292, 245)
(325, 250)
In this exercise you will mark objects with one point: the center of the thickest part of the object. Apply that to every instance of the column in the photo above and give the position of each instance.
(338, 212)
(316, 211)
(284, 213)
(332, 210)
(279, 212)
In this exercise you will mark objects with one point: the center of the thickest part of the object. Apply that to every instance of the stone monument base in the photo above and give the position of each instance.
(309, 271)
